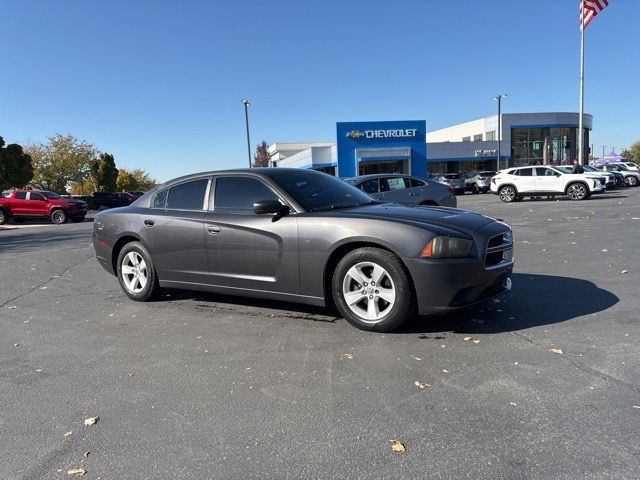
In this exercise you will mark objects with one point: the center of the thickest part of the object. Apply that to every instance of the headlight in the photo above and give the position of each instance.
(447, 247)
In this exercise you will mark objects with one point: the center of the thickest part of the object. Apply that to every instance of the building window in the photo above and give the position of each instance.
(477, 138)
(544, 146)
(466, 139)
(491, 135)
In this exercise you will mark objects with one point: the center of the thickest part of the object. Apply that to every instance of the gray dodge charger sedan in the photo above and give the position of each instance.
(303, 236)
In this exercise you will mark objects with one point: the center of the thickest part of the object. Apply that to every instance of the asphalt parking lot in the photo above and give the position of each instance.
(542, 384)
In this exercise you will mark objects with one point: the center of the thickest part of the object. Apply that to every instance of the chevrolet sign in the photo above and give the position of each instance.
(399, 133)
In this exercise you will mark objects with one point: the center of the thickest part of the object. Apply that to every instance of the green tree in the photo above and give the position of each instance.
(62, 160)
(136, 180)
(104, 173)
(16, 169)
(632, 153)
(262, 158)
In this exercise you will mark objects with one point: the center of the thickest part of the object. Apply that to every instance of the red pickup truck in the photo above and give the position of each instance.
(21, 204)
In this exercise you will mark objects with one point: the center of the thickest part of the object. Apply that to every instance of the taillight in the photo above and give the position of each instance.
(451, 190)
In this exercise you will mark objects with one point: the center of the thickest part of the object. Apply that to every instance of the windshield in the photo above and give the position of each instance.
(589, 168)
(564, 169)
(316, 191)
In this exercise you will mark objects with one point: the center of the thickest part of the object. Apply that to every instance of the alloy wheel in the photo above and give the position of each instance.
(134, 272)
(369, 291)
(577, 191)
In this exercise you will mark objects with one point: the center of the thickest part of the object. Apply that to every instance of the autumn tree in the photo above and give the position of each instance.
(16, 169)
(62, 160)
(262, 158)
(136, 180)
(104, 173)
(632, 153)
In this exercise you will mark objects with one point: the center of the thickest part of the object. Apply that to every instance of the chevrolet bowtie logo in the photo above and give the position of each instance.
(355, 134)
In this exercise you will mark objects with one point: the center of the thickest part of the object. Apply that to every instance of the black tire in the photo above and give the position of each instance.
(58, 216)
(577, 191)
(475, 189)
(139, 280)
(507, 193)
(388, 304)
(3, 217)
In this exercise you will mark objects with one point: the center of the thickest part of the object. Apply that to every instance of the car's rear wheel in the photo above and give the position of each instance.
(372, 290)
(58, 216)
(507, 193)
(577, 191)
(631, 181)
(136, 272)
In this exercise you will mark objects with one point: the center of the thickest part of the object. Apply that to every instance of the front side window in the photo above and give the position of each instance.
(238, 194)
(188, 195)
(36, 196)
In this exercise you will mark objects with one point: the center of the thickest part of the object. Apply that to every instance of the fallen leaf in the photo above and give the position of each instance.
(66, 434)
(624, 271)
(476, 341)
(604, 250)
(91, 420)
(466, 339)
(12, 307)
(76, 471)
(556, 350)
(513, 404)
(397, 446)
(421, 385)
(416, 358)
(636, 407)
(86, 454)
(445, 371)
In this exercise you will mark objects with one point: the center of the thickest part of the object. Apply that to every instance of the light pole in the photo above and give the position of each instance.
(499, 99)
(246, 104)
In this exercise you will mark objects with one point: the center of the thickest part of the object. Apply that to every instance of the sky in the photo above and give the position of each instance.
(159, 84)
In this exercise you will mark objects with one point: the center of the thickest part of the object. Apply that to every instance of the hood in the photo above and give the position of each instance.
(445, 217)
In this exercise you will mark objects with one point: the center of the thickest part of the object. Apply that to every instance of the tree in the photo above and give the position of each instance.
(62, 160)
(632, 153)
(16, 169)
(262, 158)
(134, 181)
(104, 173)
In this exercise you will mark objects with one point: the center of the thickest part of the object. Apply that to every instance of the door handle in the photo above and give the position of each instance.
(213, 230)
(149, 223)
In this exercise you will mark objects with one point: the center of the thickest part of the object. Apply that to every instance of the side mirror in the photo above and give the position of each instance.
(270, 206)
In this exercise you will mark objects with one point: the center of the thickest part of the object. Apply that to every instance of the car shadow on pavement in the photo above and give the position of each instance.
(559, 198)
(534, 301)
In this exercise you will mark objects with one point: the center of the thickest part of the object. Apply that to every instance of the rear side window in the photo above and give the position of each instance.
(417, 183)
(160, 200)
(238, 194)
(397, 183)
(188, 195)
(21, 195)
(526, 172)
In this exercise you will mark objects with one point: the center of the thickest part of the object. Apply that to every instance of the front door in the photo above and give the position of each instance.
(247, 251)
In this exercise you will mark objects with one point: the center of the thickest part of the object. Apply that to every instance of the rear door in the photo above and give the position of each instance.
(525, 180)
(19, 204)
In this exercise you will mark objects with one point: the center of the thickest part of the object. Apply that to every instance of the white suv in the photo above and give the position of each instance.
(513, 184)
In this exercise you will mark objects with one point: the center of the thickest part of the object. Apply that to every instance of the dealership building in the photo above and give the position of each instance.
(406, 147)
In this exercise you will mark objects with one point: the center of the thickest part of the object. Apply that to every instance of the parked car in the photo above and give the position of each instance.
(307, 237)
(513, 184)
(454, 180)
(609, 179)
(631, 178)
(631, 166)
(397, 188)
(23, 204)
(101, 200)
(480, 182)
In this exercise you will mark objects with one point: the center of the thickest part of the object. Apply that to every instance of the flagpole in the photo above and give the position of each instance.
(581, 121)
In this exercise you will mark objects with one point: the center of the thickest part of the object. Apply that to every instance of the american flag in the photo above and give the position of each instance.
(589, 9)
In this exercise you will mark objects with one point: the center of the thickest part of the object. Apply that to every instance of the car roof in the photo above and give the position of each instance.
(372, 176)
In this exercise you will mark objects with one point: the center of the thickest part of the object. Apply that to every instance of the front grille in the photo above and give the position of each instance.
(499, 251)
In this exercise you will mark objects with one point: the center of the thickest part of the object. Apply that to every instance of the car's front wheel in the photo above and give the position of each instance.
(58, 216)
(577, 191)
(475, 189)
(136, 273)
(507, 193)
(372, 290)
